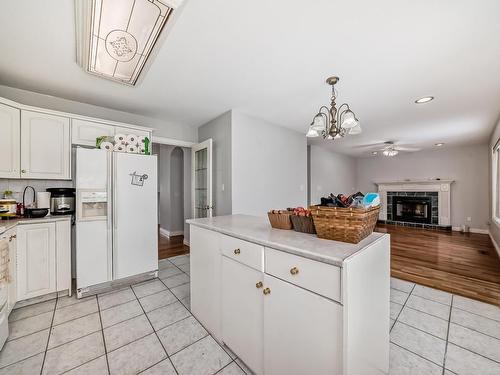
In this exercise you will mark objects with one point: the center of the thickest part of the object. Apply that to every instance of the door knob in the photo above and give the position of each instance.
(259, 285)
(237, 251)
(266, 291)
(294, 271)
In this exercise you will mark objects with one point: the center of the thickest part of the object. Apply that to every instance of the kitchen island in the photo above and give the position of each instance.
(291, 303)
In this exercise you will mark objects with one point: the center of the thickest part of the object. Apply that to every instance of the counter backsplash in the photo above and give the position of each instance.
(17, 186)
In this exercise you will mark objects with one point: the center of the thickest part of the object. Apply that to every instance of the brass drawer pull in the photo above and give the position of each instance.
(259, 285)
(237, 251)
(266, 291)
(294, 271)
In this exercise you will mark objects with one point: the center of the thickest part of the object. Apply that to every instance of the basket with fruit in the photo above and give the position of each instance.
(302, 220)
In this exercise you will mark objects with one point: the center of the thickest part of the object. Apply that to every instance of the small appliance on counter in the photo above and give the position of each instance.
(62, 201)
(31, 210)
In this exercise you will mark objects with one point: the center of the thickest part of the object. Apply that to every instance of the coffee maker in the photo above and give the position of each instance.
(62, 201)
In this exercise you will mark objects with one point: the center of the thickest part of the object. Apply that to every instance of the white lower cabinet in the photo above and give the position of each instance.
(36, 260)
(242, 316)
(43, 259)
(299, 324)
(205, 265)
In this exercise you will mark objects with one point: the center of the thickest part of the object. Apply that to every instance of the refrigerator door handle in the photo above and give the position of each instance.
(111, 215)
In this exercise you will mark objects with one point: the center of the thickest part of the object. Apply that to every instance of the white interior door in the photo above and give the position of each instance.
(201, 179)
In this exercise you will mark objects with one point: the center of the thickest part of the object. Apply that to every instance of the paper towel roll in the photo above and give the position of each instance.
(43, 199)
(141, 139)
(119, 138)
(119, 148)
(132, 149)
(107, 146)
(141, 150)
(132, 139)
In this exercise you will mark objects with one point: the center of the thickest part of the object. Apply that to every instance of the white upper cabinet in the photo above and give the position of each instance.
(45, 146)
(85, 132)
(138, 132)
(10, 140)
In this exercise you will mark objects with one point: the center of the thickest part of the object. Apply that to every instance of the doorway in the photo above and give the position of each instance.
(174, 199)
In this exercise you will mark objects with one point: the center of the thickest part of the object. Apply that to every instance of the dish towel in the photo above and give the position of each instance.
(4, 261)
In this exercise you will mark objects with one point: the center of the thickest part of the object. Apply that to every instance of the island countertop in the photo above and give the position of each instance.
(258, 230)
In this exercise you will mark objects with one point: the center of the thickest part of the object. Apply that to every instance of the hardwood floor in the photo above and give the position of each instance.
(464, 264)
(170, 247)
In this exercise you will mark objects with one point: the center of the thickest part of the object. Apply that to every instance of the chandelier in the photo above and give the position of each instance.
(333, 122)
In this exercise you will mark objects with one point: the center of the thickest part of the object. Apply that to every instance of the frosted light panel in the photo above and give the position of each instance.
(123, 33)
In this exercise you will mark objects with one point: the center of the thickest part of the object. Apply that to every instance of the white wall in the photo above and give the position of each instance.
(269, 166)
(162, 128)
(330, 172)
(219, 129)
(467, 165)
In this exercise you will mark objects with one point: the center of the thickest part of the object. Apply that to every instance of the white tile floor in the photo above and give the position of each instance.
(148, 329)
(434, 332)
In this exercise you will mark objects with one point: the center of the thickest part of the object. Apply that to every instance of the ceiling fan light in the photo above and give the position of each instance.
(318, 122)
(312, 133)
(356, 129)
(390, 152)
(348, 120)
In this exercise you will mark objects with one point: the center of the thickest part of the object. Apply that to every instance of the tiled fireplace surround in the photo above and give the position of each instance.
(437, 190)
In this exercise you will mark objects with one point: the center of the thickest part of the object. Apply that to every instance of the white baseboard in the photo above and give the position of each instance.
(497, 248)
(168, 233)
(472, 230)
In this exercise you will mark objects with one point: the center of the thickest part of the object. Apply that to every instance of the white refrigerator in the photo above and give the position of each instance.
(116, 218)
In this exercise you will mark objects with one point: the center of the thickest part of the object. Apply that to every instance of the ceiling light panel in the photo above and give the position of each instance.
(121, 36)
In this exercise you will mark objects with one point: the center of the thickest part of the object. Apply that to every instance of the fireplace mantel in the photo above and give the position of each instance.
(441, 186)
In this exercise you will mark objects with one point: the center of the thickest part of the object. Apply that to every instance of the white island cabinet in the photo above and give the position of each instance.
(290, 303)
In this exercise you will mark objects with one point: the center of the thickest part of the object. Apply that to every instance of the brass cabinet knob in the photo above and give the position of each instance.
(266, 291)
(259, 285)
(23, 170)
(294, 271)
(237, 251)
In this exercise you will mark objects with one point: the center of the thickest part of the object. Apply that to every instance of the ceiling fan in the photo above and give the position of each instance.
(389, 148)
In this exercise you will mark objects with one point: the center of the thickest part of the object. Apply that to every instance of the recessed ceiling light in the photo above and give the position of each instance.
(424, 99)
(439, 144)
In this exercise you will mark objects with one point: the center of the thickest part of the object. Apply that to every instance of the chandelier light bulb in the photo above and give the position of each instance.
(356, 129)
(318, 123)
(312, 133)
(348, 120)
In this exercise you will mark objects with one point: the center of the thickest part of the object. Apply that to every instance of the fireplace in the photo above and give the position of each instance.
(412, 209)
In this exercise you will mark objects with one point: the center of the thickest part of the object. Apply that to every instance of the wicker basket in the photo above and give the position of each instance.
(303, 224)
(280, 220)
(344, 224)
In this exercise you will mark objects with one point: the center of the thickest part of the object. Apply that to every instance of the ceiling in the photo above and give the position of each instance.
(271, 58)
